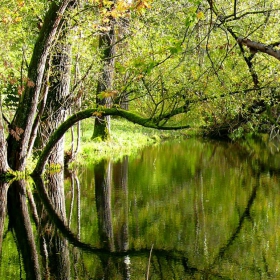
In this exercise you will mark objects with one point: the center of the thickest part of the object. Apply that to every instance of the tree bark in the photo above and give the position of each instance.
(56, 105)
(22, 123)
(107, 46)
(255, 47)
(4, 167)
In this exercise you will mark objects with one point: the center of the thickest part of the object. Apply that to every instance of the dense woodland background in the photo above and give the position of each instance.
(211, 65)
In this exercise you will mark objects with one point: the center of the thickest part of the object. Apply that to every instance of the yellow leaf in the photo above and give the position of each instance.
(142, 5)
(97, 114)
(122, 7)
(17, 19)
(115, 13)
(20, 3)
(200, 15)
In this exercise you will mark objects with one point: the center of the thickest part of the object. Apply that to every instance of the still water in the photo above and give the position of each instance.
(193, 209)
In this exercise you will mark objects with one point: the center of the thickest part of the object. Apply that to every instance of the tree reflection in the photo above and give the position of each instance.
(19, 222)
(103, 189)
(54, 247)
(3, 209)
(51, 249)
(108, 177)
(120, 179)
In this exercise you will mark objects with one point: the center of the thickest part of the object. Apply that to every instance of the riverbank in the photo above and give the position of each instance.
(126, 138)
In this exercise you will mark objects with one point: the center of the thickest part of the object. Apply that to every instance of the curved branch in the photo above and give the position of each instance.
(147, 122)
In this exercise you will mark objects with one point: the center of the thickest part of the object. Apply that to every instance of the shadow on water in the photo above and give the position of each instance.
(53, 238)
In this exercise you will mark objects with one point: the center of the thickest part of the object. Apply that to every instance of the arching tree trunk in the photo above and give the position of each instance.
(146, 122)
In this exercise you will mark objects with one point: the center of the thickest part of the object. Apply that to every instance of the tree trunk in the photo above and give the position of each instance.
(22, 123)
(104, 91)
(4, 167)
(56, 105)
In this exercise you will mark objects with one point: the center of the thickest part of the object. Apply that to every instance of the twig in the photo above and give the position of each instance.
(149, 263)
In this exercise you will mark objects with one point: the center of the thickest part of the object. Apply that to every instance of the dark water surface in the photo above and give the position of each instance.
(181, 210)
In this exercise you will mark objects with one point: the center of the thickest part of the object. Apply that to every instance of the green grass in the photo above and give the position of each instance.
(126, 138)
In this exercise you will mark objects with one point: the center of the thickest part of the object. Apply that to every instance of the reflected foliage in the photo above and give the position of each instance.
(180, 210)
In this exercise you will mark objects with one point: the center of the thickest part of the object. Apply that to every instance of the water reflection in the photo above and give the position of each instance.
(190, 210)
(20, 225)
(54, 247)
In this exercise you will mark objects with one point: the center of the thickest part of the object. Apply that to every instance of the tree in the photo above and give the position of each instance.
(23, 126)
(184, 65)
(23, 120)
(107, 46)
(57, 95)
(255, 47)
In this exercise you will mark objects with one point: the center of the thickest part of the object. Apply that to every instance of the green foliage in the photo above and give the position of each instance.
(18, 34)
(169, 55)
(189, 198)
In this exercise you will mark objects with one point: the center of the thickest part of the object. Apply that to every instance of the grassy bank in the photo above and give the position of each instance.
(126, 139)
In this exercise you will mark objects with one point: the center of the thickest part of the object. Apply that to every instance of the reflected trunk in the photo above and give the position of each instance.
(103, 192)
(53, 245)
(107, 175)
(3, 210)
(21, 224)
(103, 189)
(75, 184)
(120, 175)
(120, 178)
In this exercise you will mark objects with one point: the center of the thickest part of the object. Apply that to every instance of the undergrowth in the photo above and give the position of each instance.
(126, 138)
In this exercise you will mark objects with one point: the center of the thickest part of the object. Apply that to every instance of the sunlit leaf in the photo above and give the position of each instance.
(200, 15)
